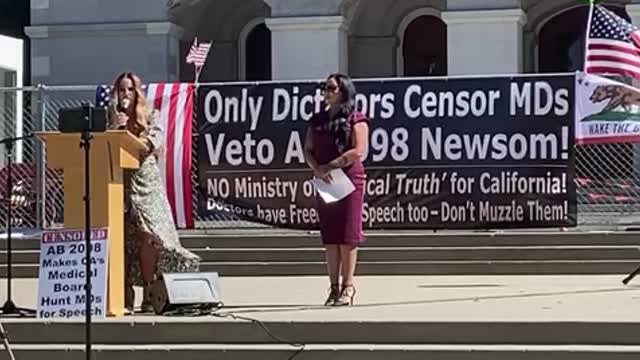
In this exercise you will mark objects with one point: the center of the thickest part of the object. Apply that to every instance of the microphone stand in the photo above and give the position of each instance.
(631, 276)
(9, 307)
(85, 143)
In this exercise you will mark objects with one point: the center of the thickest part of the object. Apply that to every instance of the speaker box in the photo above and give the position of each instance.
(186, 290)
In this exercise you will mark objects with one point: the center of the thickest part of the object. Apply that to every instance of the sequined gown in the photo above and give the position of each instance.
(147, 210)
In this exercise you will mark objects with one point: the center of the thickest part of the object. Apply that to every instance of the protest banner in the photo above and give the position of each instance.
(483, 152)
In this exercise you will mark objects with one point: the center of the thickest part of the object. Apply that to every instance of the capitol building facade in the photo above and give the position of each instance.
(88, 42)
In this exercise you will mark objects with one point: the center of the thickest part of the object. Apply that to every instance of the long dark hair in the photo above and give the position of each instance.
(340, 121)
(347, 92)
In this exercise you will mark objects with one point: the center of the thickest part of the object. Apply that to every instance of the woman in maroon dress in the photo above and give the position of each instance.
(336, 138)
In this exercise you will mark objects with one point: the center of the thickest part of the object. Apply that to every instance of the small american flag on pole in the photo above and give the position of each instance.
(174, 102)
(613, 45)
(198, 53)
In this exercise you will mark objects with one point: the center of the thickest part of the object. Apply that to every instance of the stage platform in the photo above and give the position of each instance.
(394, 317)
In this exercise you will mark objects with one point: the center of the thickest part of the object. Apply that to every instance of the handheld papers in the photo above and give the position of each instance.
(339, 187)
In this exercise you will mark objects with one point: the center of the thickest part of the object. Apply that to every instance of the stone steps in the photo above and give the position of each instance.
(395, 254)
(326, 351)
(191, 338)
(270, 239)
(212, 330)
(414, 239)
(445, 267)
(399, 253)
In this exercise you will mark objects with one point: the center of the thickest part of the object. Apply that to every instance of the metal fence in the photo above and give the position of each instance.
(37, 192)
(607, 176)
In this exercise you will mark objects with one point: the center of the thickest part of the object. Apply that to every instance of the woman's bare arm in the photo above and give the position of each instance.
(308, 151)
(360, 138)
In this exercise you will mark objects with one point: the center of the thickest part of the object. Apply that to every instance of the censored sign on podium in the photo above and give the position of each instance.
(61, 280)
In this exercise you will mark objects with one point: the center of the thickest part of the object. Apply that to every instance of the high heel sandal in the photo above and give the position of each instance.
(147, 305)
(334, 292)
(346, 297)
(129, 298)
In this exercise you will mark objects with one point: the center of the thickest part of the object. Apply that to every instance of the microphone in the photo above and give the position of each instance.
(124, 104)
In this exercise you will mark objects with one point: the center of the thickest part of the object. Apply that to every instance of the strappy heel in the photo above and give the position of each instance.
(334, 293)
(129, 298)
(147, 305)
(346, 296)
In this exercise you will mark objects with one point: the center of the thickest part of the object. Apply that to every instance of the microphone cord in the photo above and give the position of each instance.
(213, 311)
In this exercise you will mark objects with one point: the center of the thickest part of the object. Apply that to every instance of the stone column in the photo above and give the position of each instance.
(484, 41)
(309, 47)
(90, 41)
(633, 9)
(95, 53)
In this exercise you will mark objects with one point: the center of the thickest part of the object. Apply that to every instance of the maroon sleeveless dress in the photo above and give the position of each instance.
(340, 222)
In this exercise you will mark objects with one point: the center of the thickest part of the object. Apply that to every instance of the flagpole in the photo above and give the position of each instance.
(197, 80)
(196, 52)
(586, 37)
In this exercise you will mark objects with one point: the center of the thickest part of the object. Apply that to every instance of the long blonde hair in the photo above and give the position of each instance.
(140, 123)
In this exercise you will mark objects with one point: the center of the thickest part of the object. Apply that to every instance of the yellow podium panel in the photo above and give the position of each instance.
(111, 152)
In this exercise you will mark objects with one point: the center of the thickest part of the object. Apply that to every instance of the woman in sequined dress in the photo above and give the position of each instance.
(152, 245)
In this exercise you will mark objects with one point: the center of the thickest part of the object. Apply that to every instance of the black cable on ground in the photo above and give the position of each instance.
(208, 310)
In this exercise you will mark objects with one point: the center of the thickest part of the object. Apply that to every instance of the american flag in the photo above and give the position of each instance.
(198, 53)
(175, 104)
(613, 45)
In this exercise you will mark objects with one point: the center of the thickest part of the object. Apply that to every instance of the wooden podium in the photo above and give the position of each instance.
(110, 152)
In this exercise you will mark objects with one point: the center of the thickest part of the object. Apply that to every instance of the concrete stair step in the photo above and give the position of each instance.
(21, 256)
(266, 239)
(477, 267)
(207, 330)
(271, 239)
(326, 351)
(21, 244)
(413, 239)
(395, 254)
(429, 253)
